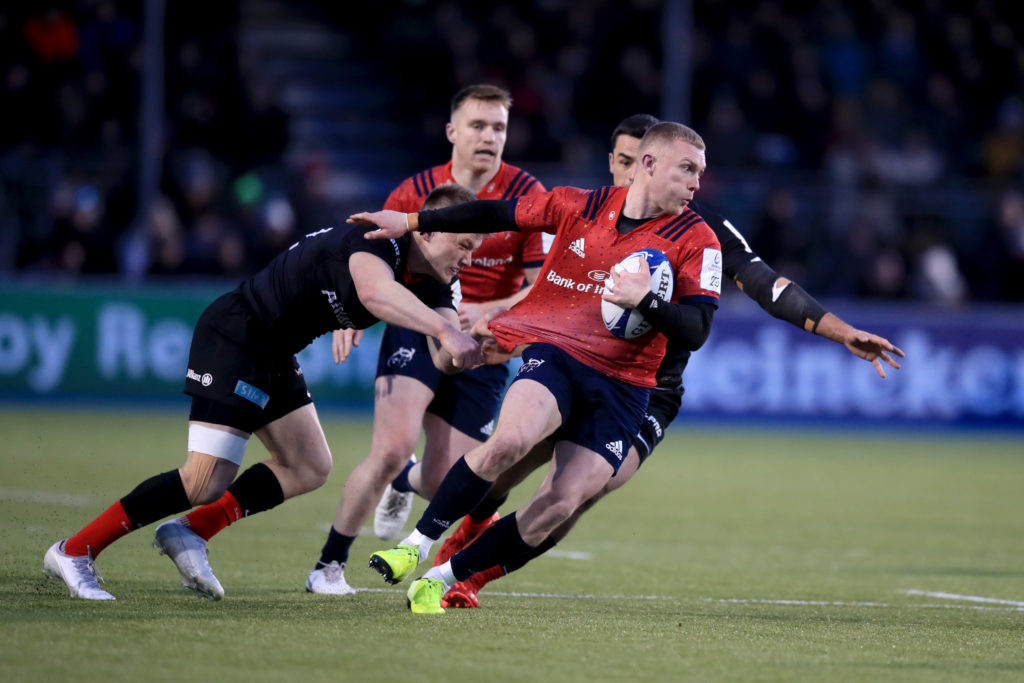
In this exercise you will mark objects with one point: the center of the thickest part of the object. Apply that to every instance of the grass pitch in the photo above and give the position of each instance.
(734, 555)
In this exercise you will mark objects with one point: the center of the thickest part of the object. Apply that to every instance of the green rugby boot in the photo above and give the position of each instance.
(395, 564)
(424, 596)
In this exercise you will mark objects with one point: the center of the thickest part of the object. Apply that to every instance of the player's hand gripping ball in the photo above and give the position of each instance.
(628, 323)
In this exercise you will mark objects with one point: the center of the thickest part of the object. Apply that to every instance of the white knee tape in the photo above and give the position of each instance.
(216, 443)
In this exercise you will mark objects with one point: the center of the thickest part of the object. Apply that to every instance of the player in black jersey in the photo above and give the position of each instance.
(244, 379)
(777, 295)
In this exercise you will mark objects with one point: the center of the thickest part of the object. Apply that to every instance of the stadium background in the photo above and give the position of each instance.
(872, 151)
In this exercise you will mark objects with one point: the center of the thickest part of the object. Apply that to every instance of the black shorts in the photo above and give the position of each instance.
(230, 382)
(467, 400)
(662, 408)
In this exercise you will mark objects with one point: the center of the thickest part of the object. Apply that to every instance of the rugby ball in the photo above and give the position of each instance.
(628, 323)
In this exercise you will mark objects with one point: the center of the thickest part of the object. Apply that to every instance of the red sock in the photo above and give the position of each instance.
(208, 520)
(111, 525)
(488, 575)
(475, 527)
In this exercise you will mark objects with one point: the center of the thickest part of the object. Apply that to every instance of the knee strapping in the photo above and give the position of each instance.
(217, 443)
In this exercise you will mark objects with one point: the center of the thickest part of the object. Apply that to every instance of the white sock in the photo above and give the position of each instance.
(418, 539)
(442, 572)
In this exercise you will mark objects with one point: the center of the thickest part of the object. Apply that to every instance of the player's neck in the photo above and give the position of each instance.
(638, 204)
(471, 179)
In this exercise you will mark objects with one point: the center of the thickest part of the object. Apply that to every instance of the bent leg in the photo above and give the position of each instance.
(398, 410)
(576, 475)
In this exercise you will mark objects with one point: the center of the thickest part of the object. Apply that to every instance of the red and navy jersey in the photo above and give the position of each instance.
(564, 306)
(497, 270)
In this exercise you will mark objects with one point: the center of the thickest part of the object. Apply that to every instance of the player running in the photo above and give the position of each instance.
(456, 412)
(777, 295)
(244, 379)
(579, 385)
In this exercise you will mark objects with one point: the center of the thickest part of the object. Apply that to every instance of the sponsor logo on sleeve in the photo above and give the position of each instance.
(711, 271)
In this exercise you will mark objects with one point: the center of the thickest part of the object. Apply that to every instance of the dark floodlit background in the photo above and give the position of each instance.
(873, 151)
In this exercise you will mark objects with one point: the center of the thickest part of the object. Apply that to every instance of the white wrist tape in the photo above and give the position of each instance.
(217, 443)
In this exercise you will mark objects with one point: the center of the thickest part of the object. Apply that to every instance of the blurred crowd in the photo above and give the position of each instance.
(870, 149)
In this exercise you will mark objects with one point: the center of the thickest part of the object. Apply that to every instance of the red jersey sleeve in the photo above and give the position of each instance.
(699, 273)
(542, 212)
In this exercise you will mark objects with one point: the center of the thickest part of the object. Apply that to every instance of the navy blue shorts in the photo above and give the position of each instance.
(233, 384)
(467, 400)
(598, 412)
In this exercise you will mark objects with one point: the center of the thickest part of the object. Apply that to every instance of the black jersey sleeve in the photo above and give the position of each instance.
(686, 324)
(758, 280)
(481, 215)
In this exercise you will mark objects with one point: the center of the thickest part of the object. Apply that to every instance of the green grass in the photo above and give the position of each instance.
(690, 563)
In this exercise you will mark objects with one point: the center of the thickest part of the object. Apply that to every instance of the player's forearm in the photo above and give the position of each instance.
(396, 305)
(687, 325)
(482, 215)
(835, 328)
(781, 298)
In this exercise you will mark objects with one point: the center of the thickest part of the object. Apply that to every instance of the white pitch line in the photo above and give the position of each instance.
(565, 596)
(967, 598)
(838, 603)
(43, 497)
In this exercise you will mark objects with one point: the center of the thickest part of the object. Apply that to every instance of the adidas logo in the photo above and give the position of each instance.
(615, 448)
(577, 247)
(488, 428)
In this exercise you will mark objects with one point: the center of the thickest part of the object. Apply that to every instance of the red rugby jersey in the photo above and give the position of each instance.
(564, 306)
(497, 270)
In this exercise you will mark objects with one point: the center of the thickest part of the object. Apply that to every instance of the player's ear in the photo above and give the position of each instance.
(449, 132)
(648, 161)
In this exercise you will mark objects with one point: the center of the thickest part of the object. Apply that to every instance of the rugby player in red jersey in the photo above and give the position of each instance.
(244, 379)
(579, 385)
(777, 295)
(456, 412)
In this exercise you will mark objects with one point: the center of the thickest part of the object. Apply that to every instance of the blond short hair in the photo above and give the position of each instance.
(670, 131)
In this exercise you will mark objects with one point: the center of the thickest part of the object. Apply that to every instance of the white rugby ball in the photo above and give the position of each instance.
(628, 323)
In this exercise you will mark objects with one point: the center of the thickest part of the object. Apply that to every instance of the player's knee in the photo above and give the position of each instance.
(504, 450)
(556, 510)
(317, 469)
(204, 479)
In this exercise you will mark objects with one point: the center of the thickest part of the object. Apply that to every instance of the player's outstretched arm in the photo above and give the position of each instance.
(479, 215)
(866, 345)
(786, 300)
(391, 302)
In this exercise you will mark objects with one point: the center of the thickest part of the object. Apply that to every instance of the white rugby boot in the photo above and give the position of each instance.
(79, 573)
(328, 579)
(187, 551)
(392, 512)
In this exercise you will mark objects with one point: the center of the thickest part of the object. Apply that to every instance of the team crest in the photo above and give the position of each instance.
(401, 357)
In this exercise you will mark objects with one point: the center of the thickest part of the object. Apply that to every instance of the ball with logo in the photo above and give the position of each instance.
(629, 323)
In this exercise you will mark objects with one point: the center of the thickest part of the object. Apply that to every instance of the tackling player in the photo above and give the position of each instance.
(455, 412)
(777, 295)
(244, 379)
(578, 385)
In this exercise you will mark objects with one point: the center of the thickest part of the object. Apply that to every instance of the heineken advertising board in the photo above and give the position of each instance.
(962, 367)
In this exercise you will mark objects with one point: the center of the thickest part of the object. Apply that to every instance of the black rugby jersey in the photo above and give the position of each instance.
(307, 290)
